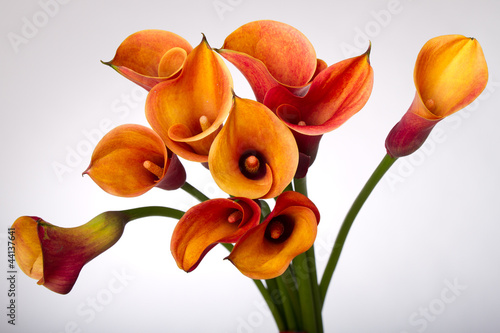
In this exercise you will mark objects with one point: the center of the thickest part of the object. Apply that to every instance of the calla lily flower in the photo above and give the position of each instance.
(335, 95)
(265, 251)
(132, 159)
(55, 255)
(208, 224)
(188, 112)
(151, 56)
(450, 73)
(255, 154)
(270, 54)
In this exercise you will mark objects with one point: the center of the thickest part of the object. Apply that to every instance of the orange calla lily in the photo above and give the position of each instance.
(132, 159)
(271, 53)
(335, 95)
(148, 57)
(208, 224)
(266, 250)
(55, 255)
(187, 112)
(255, 154)
(450, 73)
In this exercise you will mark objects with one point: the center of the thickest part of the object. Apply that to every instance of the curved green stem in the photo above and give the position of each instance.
(137, 213)
(194, 192)
(382, 168)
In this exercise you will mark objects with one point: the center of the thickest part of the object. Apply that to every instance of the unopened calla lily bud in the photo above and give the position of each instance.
(55, 256)
(132, 159)
(265, 251)
(450, 73)
(255, 154)
(148, 57)
(208, 224)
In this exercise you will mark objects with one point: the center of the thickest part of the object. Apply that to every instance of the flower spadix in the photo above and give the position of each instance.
(55, 256)
(132, 159)
(151, 56)
(450, 72)
(187, 112)
(271, 53)
(266, 250)
(208, 224)
(255, 155)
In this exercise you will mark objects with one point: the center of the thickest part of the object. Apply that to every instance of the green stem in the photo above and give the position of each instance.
(194, 192)
(290, 285)
(137, 213)
(305, 265)
(278, 318)
(382, 168)
(277, 299)
(287, 305)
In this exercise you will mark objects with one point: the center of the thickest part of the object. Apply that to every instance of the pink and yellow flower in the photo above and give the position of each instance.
(55, 256)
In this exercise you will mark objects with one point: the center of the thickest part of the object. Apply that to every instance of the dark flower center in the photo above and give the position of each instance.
(252, 165)
(279, 229)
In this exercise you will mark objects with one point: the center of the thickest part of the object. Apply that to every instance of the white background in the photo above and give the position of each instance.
(433, 222)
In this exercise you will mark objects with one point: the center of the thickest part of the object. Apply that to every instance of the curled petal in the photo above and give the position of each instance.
(255, 154)
(335, 95)
(55, 255)
(148, 57)
(450, 72)
(286, 52)
(208, 224)
(266, 250)
(187, 112)
(132, 159)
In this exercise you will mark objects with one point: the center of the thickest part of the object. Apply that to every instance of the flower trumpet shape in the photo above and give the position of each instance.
(269, 54)
(266, 250)
(334, 96)
(55, 255)
(450, 72)
(151, 56)
(255, 154)
(132, 159)
(187, 112)
(208, 224)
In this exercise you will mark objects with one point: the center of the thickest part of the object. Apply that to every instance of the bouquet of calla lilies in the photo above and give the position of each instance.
(255, 151)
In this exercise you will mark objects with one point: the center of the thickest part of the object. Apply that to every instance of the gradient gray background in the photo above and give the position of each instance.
(437, 222)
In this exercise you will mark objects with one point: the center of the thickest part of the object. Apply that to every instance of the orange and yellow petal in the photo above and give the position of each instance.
(286, 52)
(255, 155)
(208, 224)
(336, 94)
(266, 250)
(151, 56)
(129, 161)
(187, 112)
